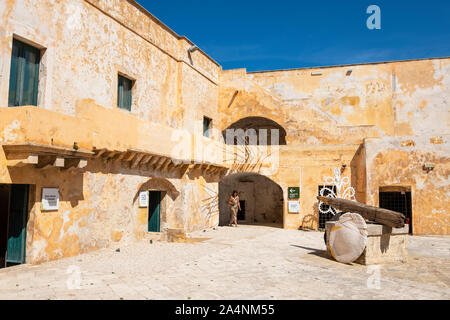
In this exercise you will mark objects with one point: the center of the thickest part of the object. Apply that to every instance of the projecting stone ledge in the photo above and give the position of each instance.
(384, 244)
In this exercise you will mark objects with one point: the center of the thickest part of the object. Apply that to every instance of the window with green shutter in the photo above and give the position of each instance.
(124, 93)
(24, 75)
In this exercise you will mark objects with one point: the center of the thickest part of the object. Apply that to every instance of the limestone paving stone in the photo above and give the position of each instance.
(256, 263)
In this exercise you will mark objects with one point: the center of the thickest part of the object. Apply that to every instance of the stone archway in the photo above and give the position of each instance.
(262, 199)
(155, 217)
(255, 131)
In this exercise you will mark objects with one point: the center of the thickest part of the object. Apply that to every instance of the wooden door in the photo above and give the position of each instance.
(4, 210)
(17, 225)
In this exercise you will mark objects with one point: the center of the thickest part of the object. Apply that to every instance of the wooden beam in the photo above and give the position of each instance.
(214, 170)
(160, 163)
(180, 169)
(166, 165)
(111, 155)
(387, 217)
(184, 168)
(154, 160)
(45, 150)
(205, 169)
(173, 167)
(130, 156)
(100, 153)
(145, 160)
(136, 160)
(119, 157)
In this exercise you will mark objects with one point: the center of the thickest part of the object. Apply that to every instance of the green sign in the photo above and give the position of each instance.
(294, 193)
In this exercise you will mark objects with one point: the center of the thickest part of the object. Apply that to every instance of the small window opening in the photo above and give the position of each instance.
(124, 97)
(207, 127)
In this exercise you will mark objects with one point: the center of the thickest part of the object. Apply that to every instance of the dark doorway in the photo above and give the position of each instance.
(154, 211)
(261, 199)
(13, 224)
(399, 201)
(241, 213)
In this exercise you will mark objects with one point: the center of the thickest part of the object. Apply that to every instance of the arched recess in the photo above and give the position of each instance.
(162, 193)
(158, 184)
(261, 198)
(252, 130)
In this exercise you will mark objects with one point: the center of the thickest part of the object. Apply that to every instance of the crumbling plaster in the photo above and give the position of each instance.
(344, 106)
(399, 161)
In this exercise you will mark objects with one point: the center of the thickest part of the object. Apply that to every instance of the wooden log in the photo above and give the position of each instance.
(386, 217)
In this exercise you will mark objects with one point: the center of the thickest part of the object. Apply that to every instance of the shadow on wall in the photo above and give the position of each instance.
(209, 205)
(311, 221)
(70, 184)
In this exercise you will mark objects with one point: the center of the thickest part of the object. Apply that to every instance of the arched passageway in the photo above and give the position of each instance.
(255, 131)
(261, 199)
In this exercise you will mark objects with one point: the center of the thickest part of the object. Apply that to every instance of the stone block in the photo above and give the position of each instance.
(384, 244)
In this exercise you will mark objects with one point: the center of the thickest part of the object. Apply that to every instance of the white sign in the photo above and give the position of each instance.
(294, 206)
(143, 199)
(50, 199)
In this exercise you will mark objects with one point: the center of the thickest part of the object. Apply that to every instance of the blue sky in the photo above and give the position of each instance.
(282, 34)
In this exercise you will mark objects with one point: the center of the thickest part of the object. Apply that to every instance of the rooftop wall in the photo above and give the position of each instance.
(399, 98)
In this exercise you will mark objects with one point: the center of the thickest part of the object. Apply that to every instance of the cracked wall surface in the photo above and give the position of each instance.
(328, 114)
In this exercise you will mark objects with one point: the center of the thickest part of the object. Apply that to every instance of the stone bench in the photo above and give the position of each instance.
(384, 244)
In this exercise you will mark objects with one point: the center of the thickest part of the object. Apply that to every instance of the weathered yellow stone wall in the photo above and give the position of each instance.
(335, 109)
(398, 161)
(93, 41)
(99, 204)
(100, 207)
(85, 45)
(392, 96)
(378, 122)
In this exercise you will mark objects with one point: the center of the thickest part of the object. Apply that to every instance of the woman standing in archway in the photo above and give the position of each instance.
(234, 204)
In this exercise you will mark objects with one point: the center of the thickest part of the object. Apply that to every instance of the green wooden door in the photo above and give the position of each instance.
(4, 210)
(154, 211)
(24, 75)
(17, 225)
